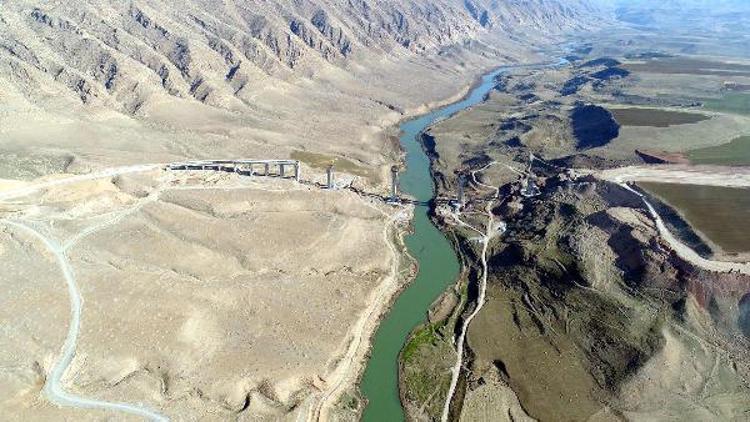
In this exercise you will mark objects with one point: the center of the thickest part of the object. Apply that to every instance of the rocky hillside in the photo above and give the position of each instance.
(588, 305)
(211, 50)
(259, 66)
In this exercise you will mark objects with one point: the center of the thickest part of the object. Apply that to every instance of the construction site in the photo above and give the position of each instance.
(220, 232)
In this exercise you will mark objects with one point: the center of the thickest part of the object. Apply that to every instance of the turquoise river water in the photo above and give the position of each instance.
(438, 265)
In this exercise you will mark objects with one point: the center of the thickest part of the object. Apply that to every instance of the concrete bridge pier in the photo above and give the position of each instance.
(461, 187)
(331, 183)
(394, 184)
(247, 167)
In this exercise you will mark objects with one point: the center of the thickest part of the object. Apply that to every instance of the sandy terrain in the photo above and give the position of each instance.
(211, 296)
(96, 85)
(694, 175)
(203, 294)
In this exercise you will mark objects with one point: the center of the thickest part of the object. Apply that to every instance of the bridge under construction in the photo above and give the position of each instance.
(278, 168)
(246, 167)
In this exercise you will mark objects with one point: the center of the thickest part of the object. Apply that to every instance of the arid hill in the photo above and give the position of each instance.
(105, 82)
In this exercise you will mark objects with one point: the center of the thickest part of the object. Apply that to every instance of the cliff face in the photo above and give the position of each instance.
(209, 50)
(257, 71)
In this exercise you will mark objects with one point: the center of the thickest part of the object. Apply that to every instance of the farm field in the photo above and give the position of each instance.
(651, 117)
(734, 153)
(689, 66)
(735, 102)
(719, 213)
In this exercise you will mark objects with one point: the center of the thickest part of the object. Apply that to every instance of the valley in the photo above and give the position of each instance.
(204, 294)
(618, 282)
(351, 210)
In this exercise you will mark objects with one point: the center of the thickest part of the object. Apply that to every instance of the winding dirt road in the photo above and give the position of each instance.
(341, 378)
(684, 251)
(737, 177)
(346, 373)
(52, 387)
(110, 172)
(491, 230)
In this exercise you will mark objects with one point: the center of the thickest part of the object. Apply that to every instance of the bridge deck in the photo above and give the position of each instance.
(217, 163)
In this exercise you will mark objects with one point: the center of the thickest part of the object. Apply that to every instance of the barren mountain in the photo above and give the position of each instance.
(101, 82)
(205, 295)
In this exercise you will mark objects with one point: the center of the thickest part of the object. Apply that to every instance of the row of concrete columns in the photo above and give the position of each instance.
(242, 166)
(267, 168)
(249, 166)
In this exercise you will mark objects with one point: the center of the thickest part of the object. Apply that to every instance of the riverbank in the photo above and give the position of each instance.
(355, 373)
(383, 390)
(350, 367)
(380, 382)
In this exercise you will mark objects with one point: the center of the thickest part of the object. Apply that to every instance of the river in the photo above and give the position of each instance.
(438, 265)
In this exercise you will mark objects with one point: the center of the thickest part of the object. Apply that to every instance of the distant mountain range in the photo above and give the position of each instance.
(676, 14)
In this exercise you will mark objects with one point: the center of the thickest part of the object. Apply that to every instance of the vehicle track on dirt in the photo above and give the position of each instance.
(347, 371)
(491, 231)
(53, 388)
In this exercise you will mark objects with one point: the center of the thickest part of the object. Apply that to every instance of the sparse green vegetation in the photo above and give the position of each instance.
(321, 161)
(426, 360)
(425, 335)
(349, 401)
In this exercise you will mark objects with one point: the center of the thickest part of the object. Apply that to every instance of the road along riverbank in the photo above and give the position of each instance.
(435, 257)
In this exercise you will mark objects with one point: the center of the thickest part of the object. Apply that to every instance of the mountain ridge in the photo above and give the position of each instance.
(248, 60)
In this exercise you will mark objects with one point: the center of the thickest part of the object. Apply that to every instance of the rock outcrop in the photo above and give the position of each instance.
(201, 48)
(253, 71)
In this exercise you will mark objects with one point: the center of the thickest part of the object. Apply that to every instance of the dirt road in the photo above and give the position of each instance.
(346, 373)
(52, 387)
(682, 174)
(491, 230)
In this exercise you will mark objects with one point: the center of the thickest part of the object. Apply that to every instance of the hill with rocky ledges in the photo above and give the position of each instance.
(256, 73)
